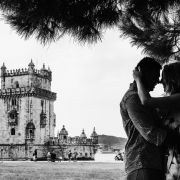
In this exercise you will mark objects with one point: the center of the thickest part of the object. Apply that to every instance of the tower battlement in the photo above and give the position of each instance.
(26, 77)
(43, 72)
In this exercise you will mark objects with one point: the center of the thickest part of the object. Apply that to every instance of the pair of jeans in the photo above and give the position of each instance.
(146, 174)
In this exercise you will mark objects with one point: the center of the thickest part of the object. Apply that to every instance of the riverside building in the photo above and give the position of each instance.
(28, 120)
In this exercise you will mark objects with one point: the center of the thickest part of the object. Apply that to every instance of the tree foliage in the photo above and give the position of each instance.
(49, 20)
(153, 25)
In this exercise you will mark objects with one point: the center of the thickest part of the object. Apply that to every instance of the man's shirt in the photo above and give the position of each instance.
(145, 137)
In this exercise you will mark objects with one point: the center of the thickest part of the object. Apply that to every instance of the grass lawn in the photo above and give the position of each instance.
(24, 170)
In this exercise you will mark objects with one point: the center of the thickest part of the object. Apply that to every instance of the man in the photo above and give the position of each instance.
(144, 153)
(53, 156)
(69, 155)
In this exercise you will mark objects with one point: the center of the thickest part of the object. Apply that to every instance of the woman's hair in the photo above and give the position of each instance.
(171, 77)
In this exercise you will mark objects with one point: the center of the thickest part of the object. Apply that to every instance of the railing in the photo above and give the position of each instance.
(32, 137)
(27, 91)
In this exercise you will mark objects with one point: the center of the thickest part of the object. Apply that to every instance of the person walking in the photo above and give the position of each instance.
(35, 155)
(69, 155)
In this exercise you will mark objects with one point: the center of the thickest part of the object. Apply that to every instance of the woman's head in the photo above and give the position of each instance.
(171, 78)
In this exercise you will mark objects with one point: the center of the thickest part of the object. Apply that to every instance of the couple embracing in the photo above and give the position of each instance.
(152, 125)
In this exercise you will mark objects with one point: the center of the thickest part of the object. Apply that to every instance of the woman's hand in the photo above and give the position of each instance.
(137, 74)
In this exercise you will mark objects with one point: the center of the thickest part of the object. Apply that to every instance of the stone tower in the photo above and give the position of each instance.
(27, 106)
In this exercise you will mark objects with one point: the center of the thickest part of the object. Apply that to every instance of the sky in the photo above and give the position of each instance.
(89, 80)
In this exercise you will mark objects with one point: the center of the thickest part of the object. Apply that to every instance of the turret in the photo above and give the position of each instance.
(31, 67)
(3, 72)
(83, 135)
(3, 69)
(94, 137)
(46, 72)
(43, 70)
(63, 134)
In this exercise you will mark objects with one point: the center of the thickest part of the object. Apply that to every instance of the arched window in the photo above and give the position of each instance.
(13, 117)
(12, 131)
(30, 131)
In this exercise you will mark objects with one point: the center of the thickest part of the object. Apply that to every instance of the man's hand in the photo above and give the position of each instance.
(137, 74)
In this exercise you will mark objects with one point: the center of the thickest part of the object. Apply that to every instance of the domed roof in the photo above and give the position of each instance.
(63, 131)
(94, 134)
(83, 135)
(3, 66)
(31, 64)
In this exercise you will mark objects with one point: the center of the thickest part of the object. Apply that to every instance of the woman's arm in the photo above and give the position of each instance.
(167, 103)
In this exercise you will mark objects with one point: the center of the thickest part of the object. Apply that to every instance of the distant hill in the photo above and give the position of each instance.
(113, 141)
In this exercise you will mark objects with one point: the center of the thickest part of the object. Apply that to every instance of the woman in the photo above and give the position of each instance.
(170, 104)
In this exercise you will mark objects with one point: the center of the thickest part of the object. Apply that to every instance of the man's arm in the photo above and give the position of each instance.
(143, 121)
(167, 103)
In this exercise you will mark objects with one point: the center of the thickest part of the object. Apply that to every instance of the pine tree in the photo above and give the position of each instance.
(153, 25)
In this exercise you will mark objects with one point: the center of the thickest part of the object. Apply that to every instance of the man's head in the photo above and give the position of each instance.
(150, 69)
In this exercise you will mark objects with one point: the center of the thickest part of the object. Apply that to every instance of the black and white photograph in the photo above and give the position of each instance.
(89, 90)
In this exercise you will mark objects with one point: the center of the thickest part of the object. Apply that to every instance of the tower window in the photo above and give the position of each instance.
(30, 131)
(16, 83)
(13, 102)
(42, 103)
(13, 131)
(13, 117)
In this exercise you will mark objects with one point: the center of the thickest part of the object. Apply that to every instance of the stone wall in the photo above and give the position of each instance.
(25, 151)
